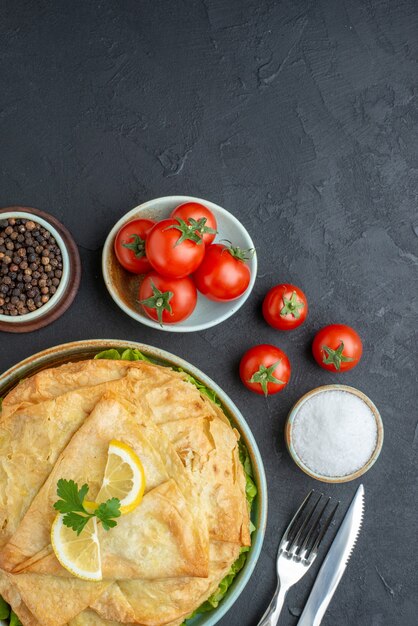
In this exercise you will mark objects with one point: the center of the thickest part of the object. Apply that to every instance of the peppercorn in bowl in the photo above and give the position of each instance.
(38, 269)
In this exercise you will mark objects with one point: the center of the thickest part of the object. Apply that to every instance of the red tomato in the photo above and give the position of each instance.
(337, 348)
(193, 213)
(265, 369)
(167, 300)
(130, 246)
(223, 274)
(285, 307)
(174, 249)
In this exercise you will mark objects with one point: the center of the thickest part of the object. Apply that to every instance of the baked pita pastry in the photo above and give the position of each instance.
(163, 559)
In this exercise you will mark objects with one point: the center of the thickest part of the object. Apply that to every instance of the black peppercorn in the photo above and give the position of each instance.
(30, 266)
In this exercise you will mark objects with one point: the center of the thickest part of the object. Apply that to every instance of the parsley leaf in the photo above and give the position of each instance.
(76, 521)
(106, 511)
(75, 515)
(72, 498)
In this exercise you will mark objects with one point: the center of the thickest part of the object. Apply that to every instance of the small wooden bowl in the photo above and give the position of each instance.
(298, 460)
(70, 280)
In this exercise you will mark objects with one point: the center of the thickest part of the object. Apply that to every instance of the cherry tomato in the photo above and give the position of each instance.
(174, 249)
(194, 213)
(337, 348)
(223, 274)
(167, 300)
(285, 307)
(265, 369)
(130, 246)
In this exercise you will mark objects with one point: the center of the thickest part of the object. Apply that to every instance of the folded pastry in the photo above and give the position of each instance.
(160, 393)
(56, 381)
(31, 440)
(161, 601)
(170, 553)
(208, 447)
(166, 535)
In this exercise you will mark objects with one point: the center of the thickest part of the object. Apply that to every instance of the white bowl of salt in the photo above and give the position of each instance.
(334, 433)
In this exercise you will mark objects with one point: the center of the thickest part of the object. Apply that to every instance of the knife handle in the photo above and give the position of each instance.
(271, 616)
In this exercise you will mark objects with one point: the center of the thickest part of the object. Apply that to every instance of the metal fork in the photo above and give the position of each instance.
(298, 549)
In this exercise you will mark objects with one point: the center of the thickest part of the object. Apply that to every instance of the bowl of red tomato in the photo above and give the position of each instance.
(179, 264)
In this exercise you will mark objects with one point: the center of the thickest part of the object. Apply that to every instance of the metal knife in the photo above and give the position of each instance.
(334, 563)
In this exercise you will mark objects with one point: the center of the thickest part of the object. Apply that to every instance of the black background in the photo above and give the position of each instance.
(299, 117)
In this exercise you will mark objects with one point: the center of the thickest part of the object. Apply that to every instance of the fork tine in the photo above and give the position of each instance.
(310, 532)
(295, 554)
(294, 523)
(324, 529)
(305, 523)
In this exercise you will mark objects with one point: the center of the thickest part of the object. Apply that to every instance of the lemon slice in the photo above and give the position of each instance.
(89, 506)
(79, 554)
(124, 477)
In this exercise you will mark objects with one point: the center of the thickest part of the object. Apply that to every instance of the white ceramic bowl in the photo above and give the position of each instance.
(207, 313)
(53, 301)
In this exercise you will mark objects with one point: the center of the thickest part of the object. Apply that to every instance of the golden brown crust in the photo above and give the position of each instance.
(209, 450)
(164, 511)
(153, 603)
(55, 381)
(10, 593)
(196, 490)
(54, 601)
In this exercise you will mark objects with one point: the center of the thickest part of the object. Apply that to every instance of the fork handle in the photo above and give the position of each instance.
(271, 616)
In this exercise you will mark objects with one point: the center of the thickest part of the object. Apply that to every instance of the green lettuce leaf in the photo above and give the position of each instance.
(202, 388)
(213, 600)
(250, 487)
(251, 491)
(127, 354)
(14, 620)
(4, 609)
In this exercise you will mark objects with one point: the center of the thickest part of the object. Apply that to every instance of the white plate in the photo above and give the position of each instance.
(207, 313)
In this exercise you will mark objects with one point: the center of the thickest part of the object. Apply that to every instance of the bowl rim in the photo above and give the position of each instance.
(46, 358)
(296, 458)
(147, 321)
(52, 302)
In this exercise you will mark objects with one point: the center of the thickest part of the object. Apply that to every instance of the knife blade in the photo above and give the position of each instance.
(334, 563)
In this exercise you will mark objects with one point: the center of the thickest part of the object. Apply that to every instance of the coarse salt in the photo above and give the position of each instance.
(334, 433)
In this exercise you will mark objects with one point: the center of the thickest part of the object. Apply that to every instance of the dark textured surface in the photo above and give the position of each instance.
(299, 117)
